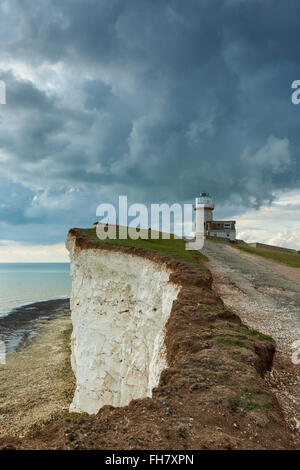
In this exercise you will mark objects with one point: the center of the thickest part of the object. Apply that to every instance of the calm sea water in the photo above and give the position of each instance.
(26, 283)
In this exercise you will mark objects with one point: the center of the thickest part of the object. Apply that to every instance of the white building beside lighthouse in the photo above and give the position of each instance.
(221, 229)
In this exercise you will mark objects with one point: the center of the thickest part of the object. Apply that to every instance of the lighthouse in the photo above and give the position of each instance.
(205, 202)
(206, 226)
(203, 213)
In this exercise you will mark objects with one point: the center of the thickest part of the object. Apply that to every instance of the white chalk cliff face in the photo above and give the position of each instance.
(120, 304)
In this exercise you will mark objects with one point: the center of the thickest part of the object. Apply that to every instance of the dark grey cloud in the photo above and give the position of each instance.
(159, 100)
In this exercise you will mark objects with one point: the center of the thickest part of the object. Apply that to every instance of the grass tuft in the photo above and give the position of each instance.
(252, 333)
(208, 309)
(249, 399)
(228, 340)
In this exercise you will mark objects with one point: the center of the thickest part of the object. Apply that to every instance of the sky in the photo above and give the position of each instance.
(155, 100)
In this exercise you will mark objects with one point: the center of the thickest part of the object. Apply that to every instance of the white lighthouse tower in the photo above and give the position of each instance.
(205, 202)
(203, 213)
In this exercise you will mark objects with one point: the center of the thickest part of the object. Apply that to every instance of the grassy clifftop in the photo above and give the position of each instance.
(290, 259)
(173, 247)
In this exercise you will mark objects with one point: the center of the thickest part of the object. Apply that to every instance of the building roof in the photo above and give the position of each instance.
(221, 221)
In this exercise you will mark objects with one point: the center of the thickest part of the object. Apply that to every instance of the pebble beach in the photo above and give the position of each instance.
(36, 382)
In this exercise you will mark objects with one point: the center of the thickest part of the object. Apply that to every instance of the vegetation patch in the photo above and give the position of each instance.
(290, 259)
(208, 309)
(252, 333)
(205, 447)
(183, 432)
(174, 247)
(229, 340)
(249, 399)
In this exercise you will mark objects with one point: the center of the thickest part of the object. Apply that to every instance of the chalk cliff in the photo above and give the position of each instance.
(120, 304)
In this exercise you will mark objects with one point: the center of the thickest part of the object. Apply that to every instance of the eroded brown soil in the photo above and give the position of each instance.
(266, 296)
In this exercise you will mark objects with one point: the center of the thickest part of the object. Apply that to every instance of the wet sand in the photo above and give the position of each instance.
(20, 326)
(36, 383)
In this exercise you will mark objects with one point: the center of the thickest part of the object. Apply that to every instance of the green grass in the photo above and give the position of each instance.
(290, 259)
(208, 309)
(242, 337)
(252, 333)
(174, 247)
(249, 399)
(228, 340)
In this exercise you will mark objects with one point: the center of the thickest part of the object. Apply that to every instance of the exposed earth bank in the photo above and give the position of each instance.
(266, 296)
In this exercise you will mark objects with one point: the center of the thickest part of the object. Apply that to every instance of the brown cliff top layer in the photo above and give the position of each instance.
(162, 250)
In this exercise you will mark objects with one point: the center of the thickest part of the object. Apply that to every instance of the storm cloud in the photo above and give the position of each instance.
(157, 100)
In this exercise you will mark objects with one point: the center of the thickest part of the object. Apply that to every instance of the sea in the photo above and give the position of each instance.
(30, 293)
(26, 283)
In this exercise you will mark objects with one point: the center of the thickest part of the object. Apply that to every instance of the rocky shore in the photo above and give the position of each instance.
(36, 383)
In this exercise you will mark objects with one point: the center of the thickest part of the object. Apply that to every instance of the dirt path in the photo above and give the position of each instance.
(266, 295)
(36, 383)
